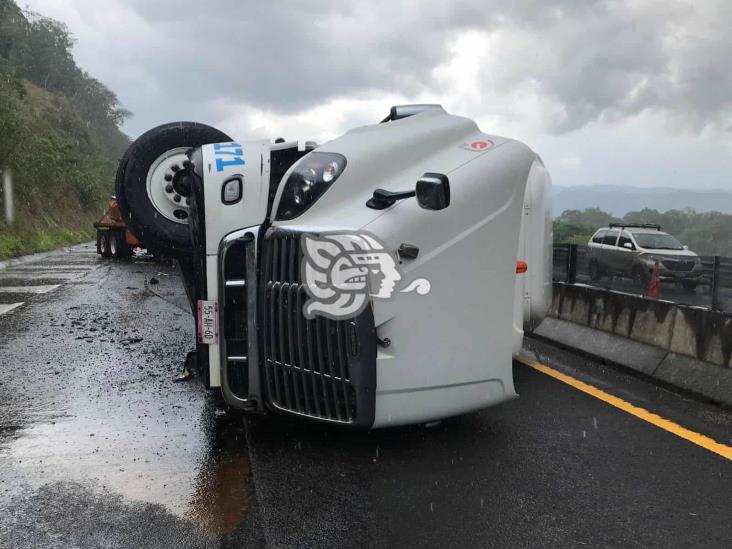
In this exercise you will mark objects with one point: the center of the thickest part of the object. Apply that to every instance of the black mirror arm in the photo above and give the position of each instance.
(382, 199)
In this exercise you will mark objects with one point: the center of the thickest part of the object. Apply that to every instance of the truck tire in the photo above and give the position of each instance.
(104, 244)
(118, 247)
(114, 245)
(127, 250)
(154, 211)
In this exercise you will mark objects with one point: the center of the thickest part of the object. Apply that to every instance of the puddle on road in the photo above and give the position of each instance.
(221, 501)
(105, 413)
(175, 460)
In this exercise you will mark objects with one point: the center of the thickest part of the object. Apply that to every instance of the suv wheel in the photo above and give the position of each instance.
(595, 273)
(640, 277)
(689, 285)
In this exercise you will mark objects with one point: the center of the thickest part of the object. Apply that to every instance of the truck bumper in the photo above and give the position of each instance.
(269, 355)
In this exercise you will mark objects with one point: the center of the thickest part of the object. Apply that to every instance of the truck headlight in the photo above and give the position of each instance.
(308, 181)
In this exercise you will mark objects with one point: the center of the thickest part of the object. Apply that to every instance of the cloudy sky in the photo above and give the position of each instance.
(607, 92)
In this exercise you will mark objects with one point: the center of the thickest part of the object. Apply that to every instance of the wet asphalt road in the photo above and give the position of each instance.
(100, 447)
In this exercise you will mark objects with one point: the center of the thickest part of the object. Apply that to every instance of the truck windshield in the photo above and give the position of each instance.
(656, 241)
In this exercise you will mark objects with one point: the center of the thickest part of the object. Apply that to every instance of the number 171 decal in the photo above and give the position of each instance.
(228, 154)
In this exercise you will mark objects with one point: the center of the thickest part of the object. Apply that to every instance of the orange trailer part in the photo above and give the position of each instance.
(114, 239)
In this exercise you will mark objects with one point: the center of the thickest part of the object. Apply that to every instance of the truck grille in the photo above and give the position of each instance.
(320, 368)
(678, 265)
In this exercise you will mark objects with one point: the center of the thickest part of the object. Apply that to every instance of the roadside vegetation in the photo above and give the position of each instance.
(59, 135)
(706, 233)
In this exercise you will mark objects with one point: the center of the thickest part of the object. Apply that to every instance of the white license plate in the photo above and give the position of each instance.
(208, 322)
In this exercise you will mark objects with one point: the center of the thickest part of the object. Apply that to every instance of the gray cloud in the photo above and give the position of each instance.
(620, 59)
(288, 56)
(587, 61)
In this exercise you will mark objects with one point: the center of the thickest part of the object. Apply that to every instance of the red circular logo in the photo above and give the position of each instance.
(479, 145)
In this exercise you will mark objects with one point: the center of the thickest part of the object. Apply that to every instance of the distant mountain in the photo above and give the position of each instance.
(619, 200)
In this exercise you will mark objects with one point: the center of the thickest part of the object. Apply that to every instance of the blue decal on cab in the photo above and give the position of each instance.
(228, 154)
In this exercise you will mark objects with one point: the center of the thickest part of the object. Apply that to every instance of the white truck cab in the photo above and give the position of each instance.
(379, 279)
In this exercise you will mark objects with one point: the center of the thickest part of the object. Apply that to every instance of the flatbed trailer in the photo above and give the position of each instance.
(114, 239)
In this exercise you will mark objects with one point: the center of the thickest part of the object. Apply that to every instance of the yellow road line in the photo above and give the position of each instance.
(663, 423)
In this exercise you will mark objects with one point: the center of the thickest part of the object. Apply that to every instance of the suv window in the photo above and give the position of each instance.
(624, 238)
(597, 239)
(610, 238)
(657, 241)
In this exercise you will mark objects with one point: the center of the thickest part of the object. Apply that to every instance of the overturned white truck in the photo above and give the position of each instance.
(382, 278)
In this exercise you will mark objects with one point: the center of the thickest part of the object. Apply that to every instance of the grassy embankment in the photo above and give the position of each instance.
(59, 136)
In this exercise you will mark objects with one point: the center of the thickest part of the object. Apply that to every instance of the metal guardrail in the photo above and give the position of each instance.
(714, 290)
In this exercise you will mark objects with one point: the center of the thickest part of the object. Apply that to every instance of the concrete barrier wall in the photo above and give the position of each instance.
(690, 331)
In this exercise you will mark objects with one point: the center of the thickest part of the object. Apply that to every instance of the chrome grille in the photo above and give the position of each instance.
(678, 265)
(307, 361)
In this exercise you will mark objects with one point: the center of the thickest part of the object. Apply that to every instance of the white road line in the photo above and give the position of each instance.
(67, 265)
(52, 268)
(7, 307)
(43, 274)
(59, 275)
(28, 289)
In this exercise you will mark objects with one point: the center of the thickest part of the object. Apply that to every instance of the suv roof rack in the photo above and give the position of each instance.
(636, 225)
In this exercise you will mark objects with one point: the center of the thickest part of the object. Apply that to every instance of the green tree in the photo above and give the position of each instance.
(570, 232)
(590, 216)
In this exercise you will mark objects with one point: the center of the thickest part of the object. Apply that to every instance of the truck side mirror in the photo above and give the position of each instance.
(433, 191)
(629, 245)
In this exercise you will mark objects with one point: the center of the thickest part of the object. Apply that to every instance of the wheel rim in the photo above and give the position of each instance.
(113, 245)
(169, 200)
(103, 242)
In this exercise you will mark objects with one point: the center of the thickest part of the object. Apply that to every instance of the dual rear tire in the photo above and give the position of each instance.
(103, 244)
(113, 245)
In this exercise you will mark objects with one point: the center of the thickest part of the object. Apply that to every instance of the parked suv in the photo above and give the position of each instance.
(633, 250)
